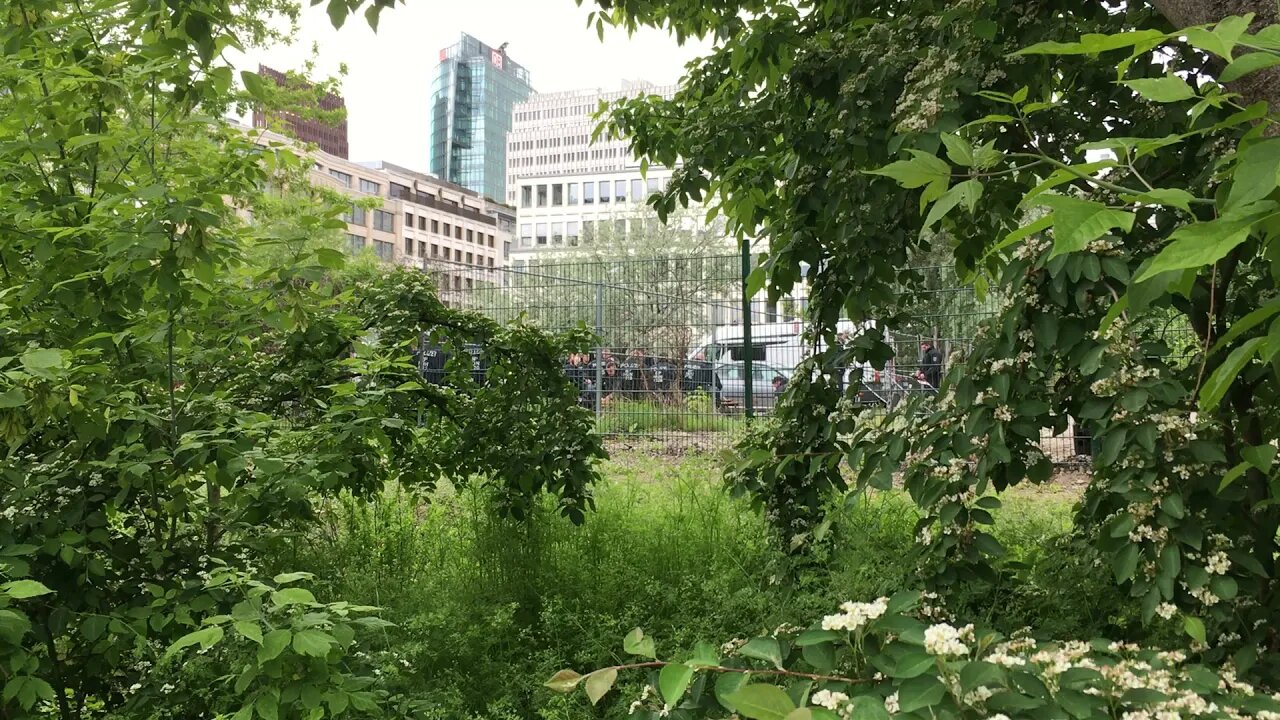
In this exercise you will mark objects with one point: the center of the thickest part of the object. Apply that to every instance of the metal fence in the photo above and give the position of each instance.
(682, 364)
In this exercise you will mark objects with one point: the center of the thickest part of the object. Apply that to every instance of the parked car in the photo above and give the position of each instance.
(767, 384)
(886, 389)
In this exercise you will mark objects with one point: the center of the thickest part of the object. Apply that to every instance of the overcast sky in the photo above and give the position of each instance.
(388, 82)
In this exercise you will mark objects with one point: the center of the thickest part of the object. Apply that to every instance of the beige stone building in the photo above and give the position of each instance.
(423, 222)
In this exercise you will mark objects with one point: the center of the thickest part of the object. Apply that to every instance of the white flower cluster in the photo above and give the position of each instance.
(1205, 595)
(1217, 563)
(855, 615)
(891, 704)
(836, 701)
(944, 640)
(637, 704)
(1166, 610)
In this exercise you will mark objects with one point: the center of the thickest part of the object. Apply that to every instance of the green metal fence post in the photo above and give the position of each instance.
(599, 350)
(747, 350)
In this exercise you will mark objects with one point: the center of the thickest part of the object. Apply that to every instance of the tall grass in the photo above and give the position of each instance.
(486, 608)
(639, 416)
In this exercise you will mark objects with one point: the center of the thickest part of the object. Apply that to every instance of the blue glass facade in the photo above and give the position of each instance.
(472, 95)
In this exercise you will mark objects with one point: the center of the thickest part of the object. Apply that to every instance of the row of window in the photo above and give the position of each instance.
(385, 250)
(545, 143)
(385, 221)
(552, 113)
(566, 194)
(580, 156)
(567, 232)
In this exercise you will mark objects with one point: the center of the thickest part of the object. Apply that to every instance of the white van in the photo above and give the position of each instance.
(780, 345)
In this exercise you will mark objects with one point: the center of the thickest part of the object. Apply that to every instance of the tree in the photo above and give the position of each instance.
(848, 132)
(170, 409)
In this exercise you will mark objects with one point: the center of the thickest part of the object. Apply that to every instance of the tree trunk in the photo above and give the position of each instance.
(1262, 85)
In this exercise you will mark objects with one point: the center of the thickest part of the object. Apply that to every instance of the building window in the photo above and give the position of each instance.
(542, 234)
(490, 262)
(341, 177)
(654, 185)
(573, 193)
(457, 232)
(408, 246)
(506, 251)
(408, 221)
(370, 187)
(435, 226)
(470, 283)
(620, 229)
(526, 196)
(542, 196)
(457, 256)
(620, 191)
(435, 250)
(422, 248)
(637, 190)
(526, 234)
(422, 223)
(470, 235)
(384, 221)
(588, 231)
(557, 233)
(355, 243)
(572, 233)
(448, 229)
(457, 282)
(604, 191)
(385, 250)
(470, 259)
(490, 241)
(588, 193)
(557, 195)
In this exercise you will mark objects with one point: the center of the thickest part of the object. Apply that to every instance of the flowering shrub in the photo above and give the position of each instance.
(888, 659)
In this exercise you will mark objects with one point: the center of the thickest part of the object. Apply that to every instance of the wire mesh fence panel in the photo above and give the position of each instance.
(680, 364)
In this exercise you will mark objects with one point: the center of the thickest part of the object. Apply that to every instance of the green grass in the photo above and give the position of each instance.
(634, 416)
(487, 609)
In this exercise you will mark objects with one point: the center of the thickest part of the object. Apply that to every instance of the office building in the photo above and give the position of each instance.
(473, 92)
(551, 135)
(419, 221)
(328, 135)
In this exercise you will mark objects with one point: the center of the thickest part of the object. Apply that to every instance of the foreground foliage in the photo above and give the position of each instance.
(171, 411)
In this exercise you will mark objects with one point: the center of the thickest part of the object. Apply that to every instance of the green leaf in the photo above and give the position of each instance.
(268, 706)
(813, 637)
(1247, 323)
(1172, 197)
(959, 151)
(821, 656)
(1169, 88)
(919, 171)
(919, 693)
(1197, 245)
(250, 630)
(1194, 627)
(23, 589)
(1221, 379)
(1248, 63)
(42, 359)
(980, 673)
(1232, 475)
(966, 192)
(1255, 175)
(762, 702)
(763, 648)
(314, 643)
(292, 596)
(1260, 456)
(599, 683)
(286, 578)
(1094, 43)
(728, 684)
(564, 681)
(867, 707)
(913, 664)
(1076, 222)
(803, 713)
(13, 397)
(637, 643)
(94, 626)
(755, 281)
(1222, 40)
(704, 655)
(253, 85)
(673, 680)
(273, 644)
(204, 637)
(1126, 561)
(1021, 234)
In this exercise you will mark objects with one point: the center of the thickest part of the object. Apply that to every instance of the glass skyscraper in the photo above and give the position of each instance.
(474, 90)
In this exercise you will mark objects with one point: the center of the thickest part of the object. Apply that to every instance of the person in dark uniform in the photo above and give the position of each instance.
(431, 361)
(632, 370)
(931, 364)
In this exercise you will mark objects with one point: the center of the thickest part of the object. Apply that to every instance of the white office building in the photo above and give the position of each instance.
(551, 135)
